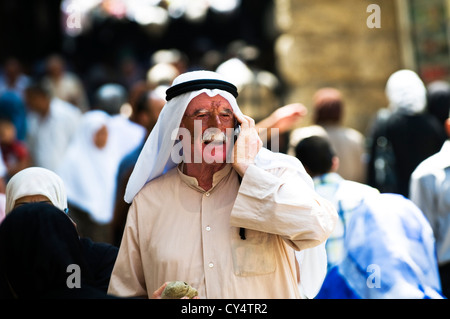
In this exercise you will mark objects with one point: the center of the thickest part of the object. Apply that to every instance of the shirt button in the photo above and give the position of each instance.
(210, 265)
(207, 194)
(208, 228)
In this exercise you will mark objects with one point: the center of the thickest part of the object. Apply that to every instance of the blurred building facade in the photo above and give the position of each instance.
(338, 43)
(306, 44)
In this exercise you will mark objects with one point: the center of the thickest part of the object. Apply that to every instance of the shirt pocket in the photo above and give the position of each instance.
(253, 255)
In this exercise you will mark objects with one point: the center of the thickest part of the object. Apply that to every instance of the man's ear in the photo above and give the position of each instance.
(334, 164)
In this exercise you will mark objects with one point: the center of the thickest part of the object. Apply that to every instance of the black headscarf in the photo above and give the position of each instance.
(37, 244)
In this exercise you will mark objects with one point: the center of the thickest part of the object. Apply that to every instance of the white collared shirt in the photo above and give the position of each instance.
(430, 190)
(49, 136)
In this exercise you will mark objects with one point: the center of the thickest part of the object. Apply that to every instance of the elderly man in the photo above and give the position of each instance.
(227, 221)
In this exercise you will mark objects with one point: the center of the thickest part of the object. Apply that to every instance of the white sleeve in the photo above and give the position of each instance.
(313, 269)
(283, 203)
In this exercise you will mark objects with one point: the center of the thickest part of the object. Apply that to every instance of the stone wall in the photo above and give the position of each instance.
(328, 43)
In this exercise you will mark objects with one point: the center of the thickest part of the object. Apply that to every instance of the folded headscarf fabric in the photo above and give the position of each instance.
(36, 181)
(390, 254)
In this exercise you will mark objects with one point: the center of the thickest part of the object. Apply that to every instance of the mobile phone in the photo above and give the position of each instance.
(237, 130)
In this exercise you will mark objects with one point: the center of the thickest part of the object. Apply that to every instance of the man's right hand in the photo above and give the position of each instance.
(247, 145)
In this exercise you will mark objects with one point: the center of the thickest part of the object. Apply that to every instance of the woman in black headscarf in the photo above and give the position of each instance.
(41, 256)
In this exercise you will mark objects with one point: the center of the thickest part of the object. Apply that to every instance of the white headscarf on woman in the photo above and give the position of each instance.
(36, 181)
(156, 158)
(89, 172)
(406, 91)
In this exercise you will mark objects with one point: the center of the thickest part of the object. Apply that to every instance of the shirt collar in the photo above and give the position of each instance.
(444, 153)
(193, 183)
(328, 178)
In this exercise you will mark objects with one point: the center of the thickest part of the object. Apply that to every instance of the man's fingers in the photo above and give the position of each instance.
(250, 121)
(245, 121)
(159, 291)
(239, 117)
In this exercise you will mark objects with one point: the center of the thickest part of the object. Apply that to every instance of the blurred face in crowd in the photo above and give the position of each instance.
(12, 70)
(101, 137)
(155, 107)
(55, 66)
(7, 132)
(37, 102)
(207, 119)
(148, 117)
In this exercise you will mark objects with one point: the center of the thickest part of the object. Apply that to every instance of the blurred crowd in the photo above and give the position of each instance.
(89, 129)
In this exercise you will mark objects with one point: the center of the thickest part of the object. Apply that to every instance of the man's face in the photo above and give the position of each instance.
(207, 120)
(38, 103)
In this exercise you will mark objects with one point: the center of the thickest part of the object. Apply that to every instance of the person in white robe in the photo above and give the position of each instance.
(51, 125)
